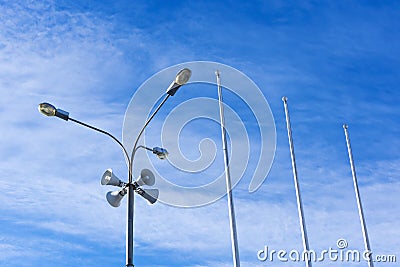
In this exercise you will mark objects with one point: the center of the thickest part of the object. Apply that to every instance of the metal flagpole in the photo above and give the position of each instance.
(357, 192)
(235, 247)
(296, 184)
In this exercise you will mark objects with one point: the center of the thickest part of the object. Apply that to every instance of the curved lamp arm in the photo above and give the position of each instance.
(141, 132)
(181, 78)
(110, 135)
(51, 111)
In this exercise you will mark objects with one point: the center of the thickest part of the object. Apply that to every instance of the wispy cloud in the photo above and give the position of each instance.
(90, 63)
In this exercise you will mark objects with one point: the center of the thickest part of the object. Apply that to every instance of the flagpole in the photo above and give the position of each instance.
(296, 184)
(232, 220)
(357, 193)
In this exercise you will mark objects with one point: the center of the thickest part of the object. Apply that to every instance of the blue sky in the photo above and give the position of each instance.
(336, 61)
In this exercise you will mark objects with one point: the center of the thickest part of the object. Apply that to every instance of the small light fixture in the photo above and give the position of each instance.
(161, 153)
(50, 110)
(181, 78)
(47, 109)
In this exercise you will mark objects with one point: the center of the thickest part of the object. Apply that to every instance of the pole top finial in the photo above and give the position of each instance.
(345, 126)
(284, 99)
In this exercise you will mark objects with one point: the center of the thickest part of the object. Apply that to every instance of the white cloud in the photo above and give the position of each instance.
(51, 169)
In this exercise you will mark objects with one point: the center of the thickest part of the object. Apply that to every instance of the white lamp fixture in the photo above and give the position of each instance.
(50, 110)
(181, 78)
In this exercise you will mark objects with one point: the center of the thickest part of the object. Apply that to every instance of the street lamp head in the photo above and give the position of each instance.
(114, 197)
(161, 153)
(47, 109)
(181, 78)
(50, 110)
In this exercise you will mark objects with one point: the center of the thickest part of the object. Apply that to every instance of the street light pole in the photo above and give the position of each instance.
(182, 77)
(132, 186)
(131, 199)
(129, 226)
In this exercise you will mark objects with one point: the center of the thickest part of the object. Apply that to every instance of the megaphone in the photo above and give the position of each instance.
(109, 178)
(146, 178)
(151, 195)
(114, 197)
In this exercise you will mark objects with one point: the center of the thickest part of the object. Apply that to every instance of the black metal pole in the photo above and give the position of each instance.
(129, 226)
(131, 193)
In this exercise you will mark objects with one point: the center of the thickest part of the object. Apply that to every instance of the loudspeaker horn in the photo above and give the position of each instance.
(109, 178)
(151, 195)
(114, 197)
(146, 178)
